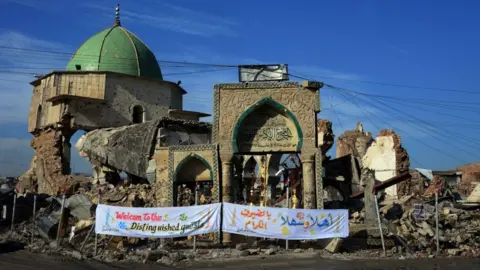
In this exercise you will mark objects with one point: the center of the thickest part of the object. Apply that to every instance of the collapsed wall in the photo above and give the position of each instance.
(470, 177)
(354, 142)
(402, 160)
(127, 148)
(50, 166)
(325, 137)
(387, 158)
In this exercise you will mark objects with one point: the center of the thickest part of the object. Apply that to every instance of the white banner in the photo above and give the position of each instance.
(157, 222)
(284, 223)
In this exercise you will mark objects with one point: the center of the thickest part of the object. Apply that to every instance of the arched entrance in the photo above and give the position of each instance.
(268, 130)
(193, 172)
(194, 176)
(267, 126)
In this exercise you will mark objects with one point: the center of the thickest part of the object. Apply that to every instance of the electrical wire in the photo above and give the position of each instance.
(375, 106)
(398, 85)
(117, 58)
(420, 127)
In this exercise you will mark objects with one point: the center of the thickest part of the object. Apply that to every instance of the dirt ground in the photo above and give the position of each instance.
(22, 259)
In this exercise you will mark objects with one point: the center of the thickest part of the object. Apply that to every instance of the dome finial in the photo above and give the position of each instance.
(117, 15)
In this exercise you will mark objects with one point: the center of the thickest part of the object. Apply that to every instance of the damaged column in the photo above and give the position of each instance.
(227, 184)
(309, 198)
(51, 162)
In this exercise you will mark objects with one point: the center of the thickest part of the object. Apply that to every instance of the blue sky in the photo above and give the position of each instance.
(427, 44)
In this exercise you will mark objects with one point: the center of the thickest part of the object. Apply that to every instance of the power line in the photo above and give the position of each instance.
(231, 65)
(400, 85)
(423, 143)
(420, 127)
(118, 58)
(372, 122)
(326, 111)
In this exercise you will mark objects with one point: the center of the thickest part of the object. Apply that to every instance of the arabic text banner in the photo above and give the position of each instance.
(157, 222)
(284, 223)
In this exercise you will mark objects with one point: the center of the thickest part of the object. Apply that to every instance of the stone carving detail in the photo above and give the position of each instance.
(229, 105)
(267, 129)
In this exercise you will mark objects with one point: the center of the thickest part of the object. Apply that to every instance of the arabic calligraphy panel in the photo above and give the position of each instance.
(267, 130)
(282, 223)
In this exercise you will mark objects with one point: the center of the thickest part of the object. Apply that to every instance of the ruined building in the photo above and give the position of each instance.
(387, 158)
(112, 80)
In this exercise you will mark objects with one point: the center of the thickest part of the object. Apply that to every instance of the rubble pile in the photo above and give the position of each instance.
(354, 142)
(470, 177)
(47, 173)
(140, 195)
(459, 230)
(325, 137)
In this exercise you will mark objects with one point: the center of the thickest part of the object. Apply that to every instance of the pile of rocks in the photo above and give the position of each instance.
(140, 195)
(459, 230)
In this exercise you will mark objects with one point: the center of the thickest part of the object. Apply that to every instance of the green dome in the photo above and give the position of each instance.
(117, 50)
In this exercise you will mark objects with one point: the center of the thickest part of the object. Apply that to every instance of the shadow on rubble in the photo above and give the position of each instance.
(11, 246)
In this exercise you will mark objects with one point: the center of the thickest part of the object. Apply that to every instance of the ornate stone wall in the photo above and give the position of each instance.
(232, 100)
(269, 117)
(206, 152)
(99, 99)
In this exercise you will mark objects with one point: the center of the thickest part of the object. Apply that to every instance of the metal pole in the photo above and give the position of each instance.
(288, 206)
(380, 225)
(60, 222)
(196, 203)
(88, 237)
(436, 222)
(14, 206)
(34, 215)
(96, 235)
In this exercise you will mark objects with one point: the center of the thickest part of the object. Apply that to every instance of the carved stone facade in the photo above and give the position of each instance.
(179, 155)
(299, 103)
(269, 117)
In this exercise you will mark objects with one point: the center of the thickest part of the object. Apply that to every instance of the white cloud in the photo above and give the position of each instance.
(172, 18)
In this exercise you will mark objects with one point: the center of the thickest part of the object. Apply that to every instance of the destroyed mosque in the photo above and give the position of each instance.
(264, 135)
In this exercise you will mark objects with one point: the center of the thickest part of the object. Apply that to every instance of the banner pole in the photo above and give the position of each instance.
(96, 235)
(13, 209)
(380, 224)
(34, 216)
(288, 206)
(60, 222)
(196, 203)
(88, 236)
(436, 222)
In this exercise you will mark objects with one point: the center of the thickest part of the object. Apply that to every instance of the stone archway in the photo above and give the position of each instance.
(190, 171)
(267, 126)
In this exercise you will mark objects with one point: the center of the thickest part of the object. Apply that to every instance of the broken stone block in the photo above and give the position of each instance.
(242, 246)
(334, 245)
(453, 251)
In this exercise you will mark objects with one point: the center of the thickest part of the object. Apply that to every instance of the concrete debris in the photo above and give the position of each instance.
(354, 142)
(470, 177)
(107, 147)
(325, 137)
(401, 156)
(459, 230)
(366, 170)
(49, 171)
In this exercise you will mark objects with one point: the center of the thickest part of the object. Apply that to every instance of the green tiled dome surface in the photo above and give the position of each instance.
(117, 50)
